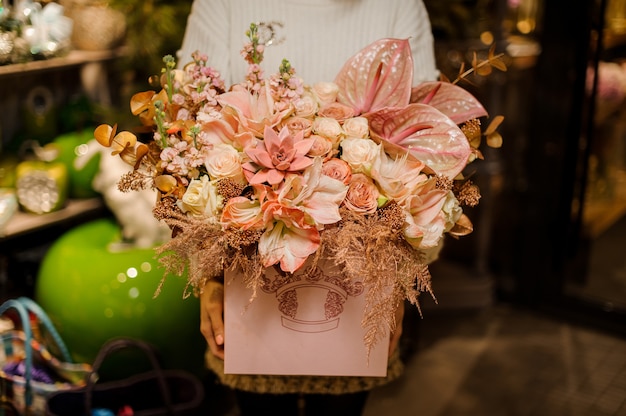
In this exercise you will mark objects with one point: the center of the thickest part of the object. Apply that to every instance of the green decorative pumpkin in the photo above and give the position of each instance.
(70, 146)
(94, 292)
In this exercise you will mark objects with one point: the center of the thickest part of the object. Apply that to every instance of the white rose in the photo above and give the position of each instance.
(357, 127)
(202, 199)
(359, 153)
(326, 92)
(329, 128)
(224, 161)
(452, 211)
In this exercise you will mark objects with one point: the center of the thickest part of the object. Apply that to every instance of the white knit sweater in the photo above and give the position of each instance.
(316, 36)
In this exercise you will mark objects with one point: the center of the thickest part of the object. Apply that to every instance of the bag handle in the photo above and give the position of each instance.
(119, 344)
(28, 350)
(33, 307)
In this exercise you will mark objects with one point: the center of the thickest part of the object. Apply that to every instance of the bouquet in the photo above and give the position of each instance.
(365, 171)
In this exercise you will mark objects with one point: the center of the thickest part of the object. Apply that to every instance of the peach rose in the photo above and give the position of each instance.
(357, 127)
(322, 146)
(296, 124)
(337, 169)
(362, 195)
(337, 111)
(326, 92)
(241, 212)
(329, 128)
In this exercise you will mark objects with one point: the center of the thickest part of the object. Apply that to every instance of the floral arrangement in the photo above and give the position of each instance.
(365, 171)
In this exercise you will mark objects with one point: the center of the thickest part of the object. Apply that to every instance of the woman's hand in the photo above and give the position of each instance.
(395, 335)
(212, 317)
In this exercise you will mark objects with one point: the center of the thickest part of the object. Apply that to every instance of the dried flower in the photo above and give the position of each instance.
(467, 193)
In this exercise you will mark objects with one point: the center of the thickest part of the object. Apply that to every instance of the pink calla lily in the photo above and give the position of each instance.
(379, 76)
(452, 100)
(426, 133)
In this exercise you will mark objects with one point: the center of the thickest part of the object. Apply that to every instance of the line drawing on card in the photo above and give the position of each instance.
(310, 301)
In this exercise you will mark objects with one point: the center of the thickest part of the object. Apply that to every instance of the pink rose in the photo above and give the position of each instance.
(337, 169)
(339, 112)
(362, 195)
(322, 146)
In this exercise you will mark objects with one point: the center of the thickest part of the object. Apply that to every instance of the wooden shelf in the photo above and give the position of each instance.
(23, 222)
(74, 58)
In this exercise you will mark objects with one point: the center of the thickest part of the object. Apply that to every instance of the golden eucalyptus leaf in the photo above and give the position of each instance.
(122, 142)
(462, 227)
(494, 140)
(140, 152)
(104, 134)
(141, 102)
(496, 60)
(493, 126)
(484, 70)
(498, 64)
(165, 183)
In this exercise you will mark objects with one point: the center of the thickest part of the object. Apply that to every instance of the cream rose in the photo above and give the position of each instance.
(362, 195)
(325, 92)
(322, 146)
(223, 161)
(329, 128)
(337, 169)
(359, 153)
(451, 210)
(357, 127)
(201, 199)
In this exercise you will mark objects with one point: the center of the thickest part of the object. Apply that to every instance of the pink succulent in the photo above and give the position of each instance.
(277, 155)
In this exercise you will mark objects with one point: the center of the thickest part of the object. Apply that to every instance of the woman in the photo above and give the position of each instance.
(317, 37)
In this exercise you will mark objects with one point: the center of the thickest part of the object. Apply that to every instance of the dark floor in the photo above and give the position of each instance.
(507, 361)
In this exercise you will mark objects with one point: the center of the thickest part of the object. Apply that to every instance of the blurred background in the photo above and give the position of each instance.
(550, 230)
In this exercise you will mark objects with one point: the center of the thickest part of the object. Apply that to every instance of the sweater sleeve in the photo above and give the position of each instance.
(208, 31)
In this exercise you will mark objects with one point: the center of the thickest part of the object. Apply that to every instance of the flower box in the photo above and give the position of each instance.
(306, 323)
